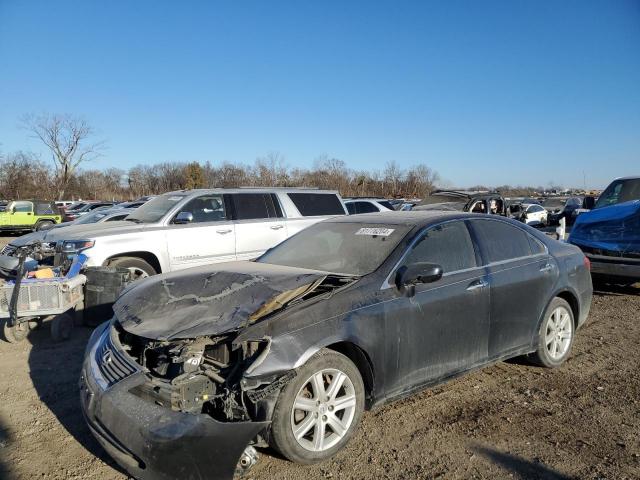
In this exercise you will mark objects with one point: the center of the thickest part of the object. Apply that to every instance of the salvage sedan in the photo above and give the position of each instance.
(199, 367)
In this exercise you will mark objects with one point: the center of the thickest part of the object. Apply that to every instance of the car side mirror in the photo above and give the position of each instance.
(589, 202)
(408, 276)
(183, 218)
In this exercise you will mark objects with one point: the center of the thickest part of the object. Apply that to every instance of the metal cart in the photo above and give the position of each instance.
(26, 303)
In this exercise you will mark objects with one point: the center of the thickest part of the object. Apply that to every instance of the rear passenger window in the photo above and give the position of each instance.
(365, 207)
(448, 245)
(501, 241)
(44, 209)
(351, 208)
(536, 246)
(312, 204)
(252, 206)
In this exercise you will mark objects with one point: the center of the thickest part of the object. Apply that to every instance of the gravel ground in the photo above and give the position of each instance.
(510, 420)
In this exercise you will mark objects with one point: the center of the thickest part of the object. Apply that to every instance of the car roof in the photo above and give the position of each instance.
(417, 218)
(200, 191)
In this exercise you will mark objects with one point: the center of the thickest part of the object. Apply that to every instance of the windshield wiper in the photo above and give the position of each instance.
(134, 220)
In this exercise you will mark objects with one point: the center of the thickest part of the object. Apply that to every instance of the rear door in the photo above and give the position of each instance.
(521, 276)
(444, 327)
(259, 223)
(208, 238)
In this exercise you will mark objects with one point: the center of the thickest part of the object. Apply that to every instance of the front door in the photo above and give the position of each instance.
(443, 328)
(21, 214)
(208, 238)
(521, 276)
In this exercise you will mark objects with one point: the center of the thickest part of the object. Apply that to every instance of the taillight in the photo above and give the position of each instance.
(587, 263)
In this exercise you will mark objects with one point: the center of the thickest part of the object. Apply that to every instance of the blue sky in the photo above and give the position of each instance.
(484, 92)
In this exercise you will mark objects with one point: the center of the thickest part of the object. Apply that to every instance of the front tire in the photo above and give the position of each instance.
(44, 225)
(139, 268)
(15, 334)
(555, 337)
(318, 412)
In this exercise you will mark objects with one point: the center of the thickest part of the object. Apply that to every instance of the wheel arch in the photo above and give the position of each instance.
(571, 298)
(362, 362)
(148, 257)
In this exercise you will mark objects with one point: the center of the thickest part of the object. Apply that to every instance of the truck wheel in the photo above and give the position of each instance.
(61, 327)
(318, 412)
(138, 267)
(44, 225)
(15, 334)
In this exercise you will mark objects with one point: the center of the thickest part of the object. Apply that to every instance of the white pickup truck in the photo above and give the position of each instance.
(188, 228)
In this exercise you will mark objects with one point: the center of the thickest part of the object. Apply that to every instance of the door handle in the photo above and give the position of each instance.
(276, 227)
(476, 285)
(546, 268)
(223, 232)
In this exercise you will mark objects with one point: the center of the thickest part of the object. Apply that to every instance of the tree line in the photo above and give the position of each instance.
(72, 145)
(25, 175)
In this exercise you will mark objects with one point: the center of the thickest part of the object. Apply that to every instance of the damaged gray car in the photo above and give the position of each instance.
(200, 367)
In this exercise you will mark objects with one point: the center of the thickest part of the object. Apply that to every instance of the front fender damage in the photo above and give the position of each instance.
(231, 381)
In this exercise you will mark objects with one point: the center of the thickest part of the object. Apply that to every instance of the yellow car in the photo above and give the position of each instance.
(29, 215)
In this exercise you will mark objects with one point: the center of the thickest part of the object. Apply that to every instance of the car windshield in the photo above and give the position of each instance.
(76, 207)
(155, 209)
(620, 191)
(345, 248)
(91, 217)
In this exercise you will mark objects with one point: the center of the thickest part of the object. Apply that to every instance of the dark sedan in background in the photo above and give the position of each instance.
(198, 367)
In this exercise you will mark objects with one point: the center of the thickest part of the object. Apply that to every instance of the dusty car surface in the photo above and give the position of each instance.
(199, 367)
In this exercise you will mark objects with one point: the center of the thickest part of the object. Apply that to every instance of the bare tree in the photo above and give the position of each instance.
(68, 139)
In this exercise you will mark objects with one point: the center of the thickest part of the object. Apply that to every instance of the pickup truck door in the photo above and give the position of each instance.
(22, 214)
(259, 223)
(208, 238)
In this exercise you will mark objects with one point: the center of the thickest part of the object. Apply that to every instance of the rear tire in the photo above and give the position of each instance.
(139, 268)
(329, 393)
(555, 336)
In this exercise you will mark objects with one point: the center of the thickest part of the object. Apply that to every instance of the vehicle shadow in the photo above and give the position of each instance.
(610, 289)
(55, 370)
(5, 472)
(520, 467)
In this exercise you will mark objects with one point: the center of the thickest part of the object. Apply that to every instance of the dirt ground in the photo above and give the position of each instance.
(510, 420)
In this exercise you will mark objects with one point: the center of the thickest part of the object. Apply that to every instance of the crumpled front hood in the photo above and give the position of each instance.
(210, 300)
(615, 228)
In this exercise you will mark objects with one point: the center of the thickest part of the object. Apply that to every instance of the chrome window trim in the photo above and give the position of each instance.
(387, 283)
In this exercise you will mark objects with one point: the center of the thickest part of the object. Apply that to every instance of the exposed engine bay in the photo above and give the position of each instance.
(203, 375)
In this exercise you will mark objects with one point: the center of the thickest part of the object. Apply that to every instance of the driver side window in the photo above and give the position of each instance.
(22, 207)
(448, 245)
(207, 208)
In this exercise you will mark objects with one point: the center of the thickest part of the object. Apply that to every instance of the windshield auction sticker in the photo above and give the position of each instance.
(382, 232)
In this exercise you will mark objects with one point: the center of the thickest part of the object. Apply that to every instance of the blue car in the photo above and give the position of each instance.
(609, 235)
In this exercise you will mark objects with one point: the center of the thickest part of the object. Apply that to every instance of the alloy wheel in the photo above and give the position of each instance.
(558, 333)
(323, 410)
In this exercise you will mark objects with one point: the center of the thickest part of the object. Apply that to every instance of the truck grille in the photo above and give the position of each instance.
(112, 363)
